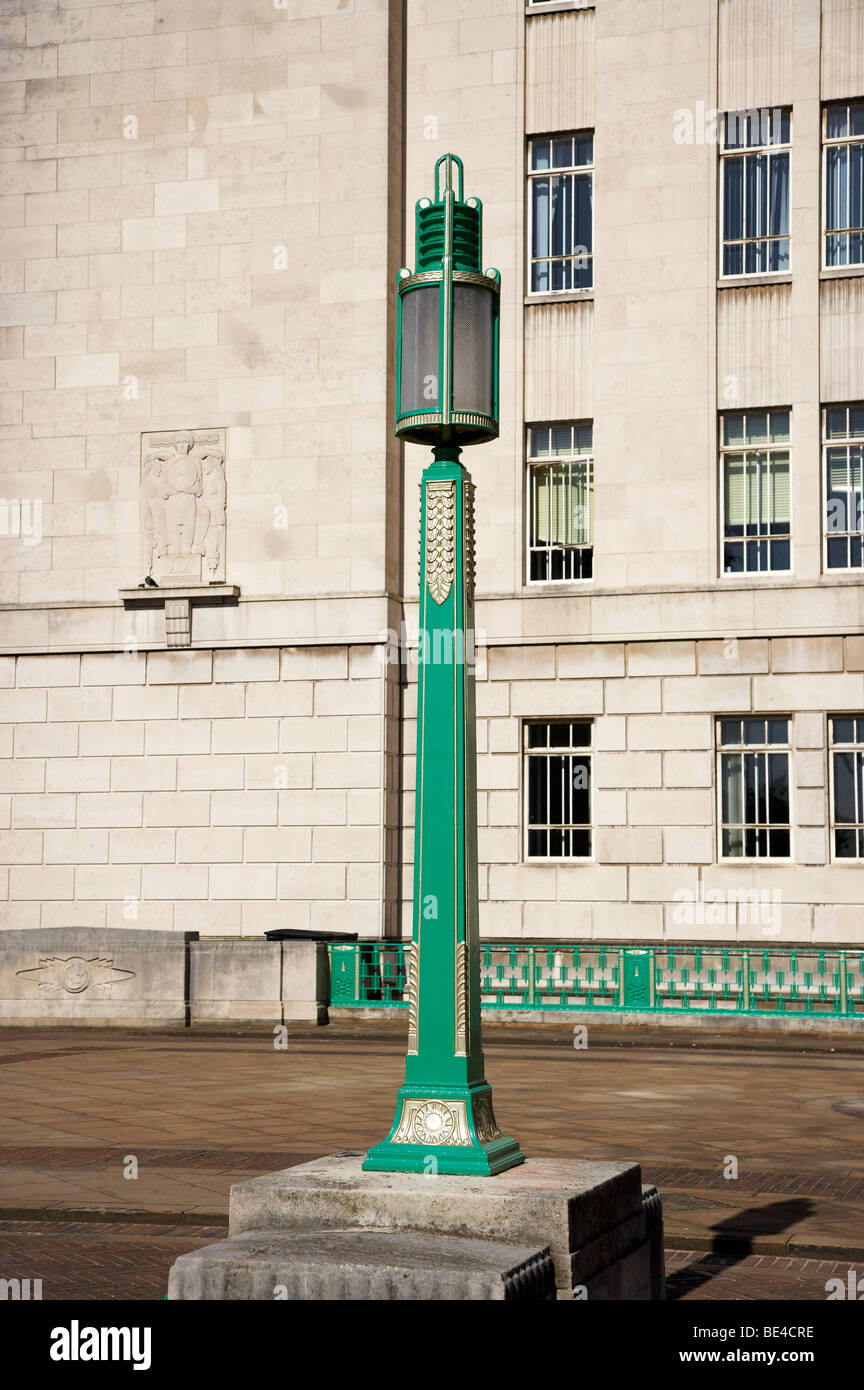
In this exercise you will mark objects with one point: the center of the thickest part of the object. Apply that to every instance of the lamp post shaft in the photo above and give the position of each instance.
(444, 1119)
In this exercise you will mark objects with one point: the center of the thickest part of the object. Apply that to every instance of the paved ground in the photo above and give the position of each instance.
(198, 1112)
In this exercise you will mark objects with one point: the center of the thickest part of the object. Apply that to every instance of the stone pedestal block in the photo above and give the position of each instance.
(236, 980)
(305, 981)
(93, 976)
(363, 1265)
(603, 1231)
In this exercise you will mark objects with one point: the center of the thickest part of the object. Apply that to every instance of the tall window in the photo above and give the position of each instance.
(558, 790)
(754, 190)
(843, 449)
(754, 461)
(843, 137)
(560, 502)
(847, 787)
(753, 779)
(561, 178)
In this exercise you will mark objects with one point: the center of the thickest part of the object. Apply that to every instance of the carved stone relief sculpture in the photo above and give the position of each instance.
(183, 507)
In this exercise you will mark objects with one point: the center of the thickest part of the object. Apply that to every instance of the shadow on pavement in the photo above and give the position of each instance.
(733, 1242)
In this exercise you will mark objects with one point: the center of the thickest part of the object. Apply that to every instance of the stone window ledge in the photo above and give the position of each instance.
(745, 282)
(560, 297)
(842, 272)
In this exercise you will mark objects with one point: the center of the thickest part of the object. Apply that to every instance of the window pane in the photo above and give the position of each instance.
(779, 426)
(779, 195)
(778, 787)
(778, 731)
(779, 844)
(536, 791)
(733, 198)
(836, 165)
(756, 195)
(561, 439)
(782, 127)
(562, 153)
(540, 277)
(843, 730)
(733, 260)
(856, 185)
(779, 498)
(560, 237)
(583, 436)
(539, 154)
(835, 122)
(835, 422)
(538, 844)
(734, 130)
(730, 731)
(733, 428)
(581, 844)
(734, 495)
(584, 232)
(538, 442)
(732, 800)
(844, 789)
(581, 801)
(754, 787)
(733, 844)
(540, 217)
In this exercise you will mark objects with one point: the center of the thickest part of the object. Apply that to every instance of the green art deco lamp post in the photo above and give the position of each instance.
(447, 377)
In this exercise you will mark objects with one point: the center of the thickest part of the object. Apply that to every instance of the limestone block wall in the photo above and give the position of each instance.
(653, 708)
(226, 792)
(199, 231)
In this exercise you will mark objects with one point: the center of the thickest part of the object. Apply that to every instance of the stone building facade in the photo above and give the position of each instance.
(205, 204)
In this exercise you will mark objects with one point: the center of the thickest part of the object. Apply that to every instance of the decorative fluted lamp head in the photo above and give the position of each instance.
(447, 378)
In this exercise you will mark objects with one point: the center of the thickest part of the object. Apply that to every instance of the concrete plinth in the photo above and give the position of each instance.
(363, 1265)
(603, 1230)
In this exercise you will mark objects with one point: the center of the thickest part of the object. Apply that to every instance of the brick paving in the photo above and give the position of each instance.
(775, 1278)
(81, 1260)
(200, 1111)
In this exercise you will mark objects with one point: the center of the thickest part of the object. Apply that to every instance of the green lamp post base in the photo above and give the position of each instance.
(444, 1129)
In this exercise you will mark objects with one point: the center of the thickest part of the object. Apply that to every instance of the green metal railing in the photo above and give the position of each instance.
(645, 979)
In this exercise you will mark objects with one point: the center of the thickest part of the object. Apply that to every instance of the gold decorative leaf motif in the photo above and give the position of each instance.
(412, 964)
(470, 561)
(440, 538)
(461, 999)
(484, 1120)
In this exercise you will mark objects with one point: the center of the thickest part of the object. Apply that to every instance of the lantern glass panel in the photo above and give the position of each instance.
(473, 348)
(420, 389)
